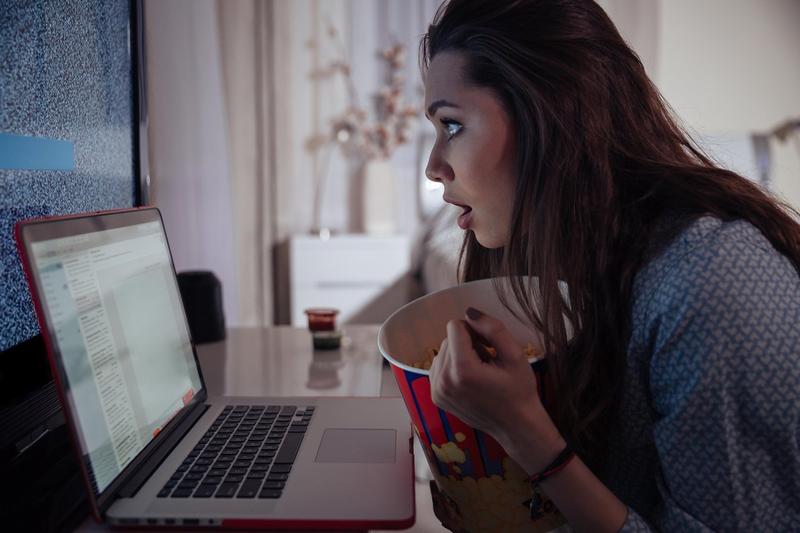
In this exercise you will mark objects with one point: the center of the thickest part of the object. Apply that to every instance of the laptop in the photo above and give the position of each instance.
(154, 448)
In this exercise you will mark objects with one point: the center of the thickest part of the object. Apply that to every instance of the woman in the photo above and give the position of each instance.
(679, 390)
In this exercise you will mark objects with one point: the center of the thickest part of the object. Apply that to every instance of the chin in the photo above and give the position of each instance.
(488, 241)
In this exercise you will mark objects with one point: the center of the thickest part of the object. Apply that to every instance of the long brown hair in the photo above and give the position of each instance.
(600, 161)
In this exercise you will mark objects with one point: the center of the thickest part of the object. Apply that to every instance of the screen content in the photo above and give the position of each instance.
(68, 127)
(114, 305)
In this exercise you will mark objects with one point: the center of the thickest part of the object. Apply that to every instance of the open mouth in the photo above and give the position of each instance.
(465, 218)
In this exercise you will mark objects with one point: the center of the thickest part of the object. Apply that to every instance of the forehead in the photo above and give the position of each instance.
(445, 77)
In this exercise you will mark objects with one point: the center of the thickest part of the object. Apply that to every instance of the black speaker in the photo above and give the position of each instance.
(201, 292)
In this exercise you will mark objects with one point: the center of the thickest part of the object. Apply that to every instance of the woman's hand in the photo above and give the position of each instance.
(499, 397)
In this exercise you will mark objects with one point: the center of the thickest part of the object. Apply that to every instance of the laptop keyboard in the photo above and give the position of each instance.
(247, 452)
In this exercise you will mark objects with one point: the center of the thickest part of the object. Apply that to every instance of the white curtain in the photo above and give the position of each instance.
(189, 156)
(232, 108)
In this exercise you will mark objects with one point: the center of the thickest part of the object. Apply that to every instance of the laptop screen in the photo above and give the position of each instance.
(115, 316)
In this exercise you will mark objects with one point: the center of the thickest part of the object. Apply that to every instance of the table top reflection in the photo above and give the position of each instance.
(282, 361)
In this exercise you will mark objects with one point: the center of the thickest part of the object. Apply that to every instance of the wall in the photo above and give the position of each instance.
(733, 66)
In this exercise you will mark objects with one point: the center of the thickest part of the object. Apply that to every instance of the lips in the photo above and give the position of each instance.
(465, 218)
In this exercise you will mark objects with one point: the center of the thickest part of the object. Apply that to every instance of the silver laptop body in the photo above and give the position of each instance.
(153, 447)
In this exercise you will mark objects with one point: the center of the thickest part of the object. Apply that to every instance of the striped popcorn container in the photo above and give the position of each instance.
(482, 486)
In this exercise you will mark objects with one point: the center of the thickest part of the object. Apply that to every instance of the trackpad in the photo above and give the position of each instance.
(357, 446)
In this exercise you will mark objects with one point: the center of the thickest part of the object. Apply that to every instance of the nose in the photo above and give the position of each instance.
(437, 168)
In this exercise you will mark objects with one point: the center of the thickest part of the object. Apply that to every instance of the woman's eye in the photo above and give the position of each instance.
(451, 127)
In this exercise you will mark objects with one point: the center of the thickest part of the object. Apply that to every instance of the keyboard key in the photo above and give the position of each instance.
(205, 491)
(285, 469)
(217, 472)
(274, 485)
(164, 493)
(288, 410)
(297, 429)
(277, 477)
(257, 474)
(273, 409)
(289, 449)
(234, 478)
(272, 494)
(212, 480)
(249, 488)
(227, 490)
(182, 493)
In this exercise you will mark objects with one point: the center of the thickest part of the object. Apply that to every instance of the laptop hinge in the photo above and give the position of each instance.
(135, 482)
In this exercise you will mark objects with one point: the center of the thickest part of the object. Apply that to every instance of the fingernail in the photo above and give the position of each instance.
(473, 314)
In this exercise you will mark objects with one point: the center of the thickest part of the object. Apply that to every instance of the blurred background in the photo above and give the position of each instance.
(287, 143)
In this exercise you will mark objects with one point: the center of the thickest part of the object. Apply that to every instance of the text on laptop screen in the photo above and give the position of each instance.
(116, 311)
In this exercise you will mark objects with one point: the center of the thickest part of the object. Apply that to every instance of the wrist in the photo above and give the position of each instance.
(534, 442)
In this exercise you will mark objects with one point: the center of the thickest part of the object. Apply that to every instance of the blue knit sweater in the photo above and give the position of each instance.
(706, 436)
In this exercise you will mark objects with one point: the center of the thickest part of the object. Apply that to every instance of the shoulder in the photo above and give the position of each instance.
(718, 305)
(713, 262)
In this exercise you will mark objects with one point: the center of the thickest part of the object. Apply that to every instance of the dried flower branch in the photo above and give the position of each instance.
(358, 133)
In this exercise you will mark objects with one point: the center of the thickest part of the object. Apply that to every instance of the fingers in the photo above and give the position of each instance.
(495, 332)
(458, 338)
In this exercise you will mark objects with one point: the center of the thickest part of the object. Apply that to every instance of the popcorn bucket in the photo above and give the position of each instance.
(481, 485)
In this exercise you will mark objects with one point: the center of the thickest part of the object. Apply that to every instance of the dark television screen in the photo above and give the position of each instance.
(67, 126)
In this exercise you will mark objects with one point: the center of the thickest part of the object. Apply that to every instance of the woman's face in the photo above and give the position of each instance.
(474, 155)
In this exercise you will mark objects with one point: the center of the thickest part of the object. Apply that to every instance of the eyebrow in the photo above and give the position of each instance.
(437, 104)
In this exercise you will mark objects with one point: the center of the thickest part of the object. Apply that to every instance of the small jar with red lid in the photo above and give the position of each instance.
(322, 324)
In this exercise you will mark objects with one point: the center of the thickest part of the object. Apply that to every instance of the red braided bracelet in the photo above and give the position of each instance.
(561, 460)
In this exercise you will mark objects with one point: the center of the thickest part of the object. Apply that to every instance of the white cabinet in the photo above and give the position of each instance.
(345, 271)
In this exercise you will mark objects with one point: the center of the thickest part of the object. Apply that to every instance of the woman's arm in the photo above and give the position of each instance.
(583, 499)
(509, 409)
